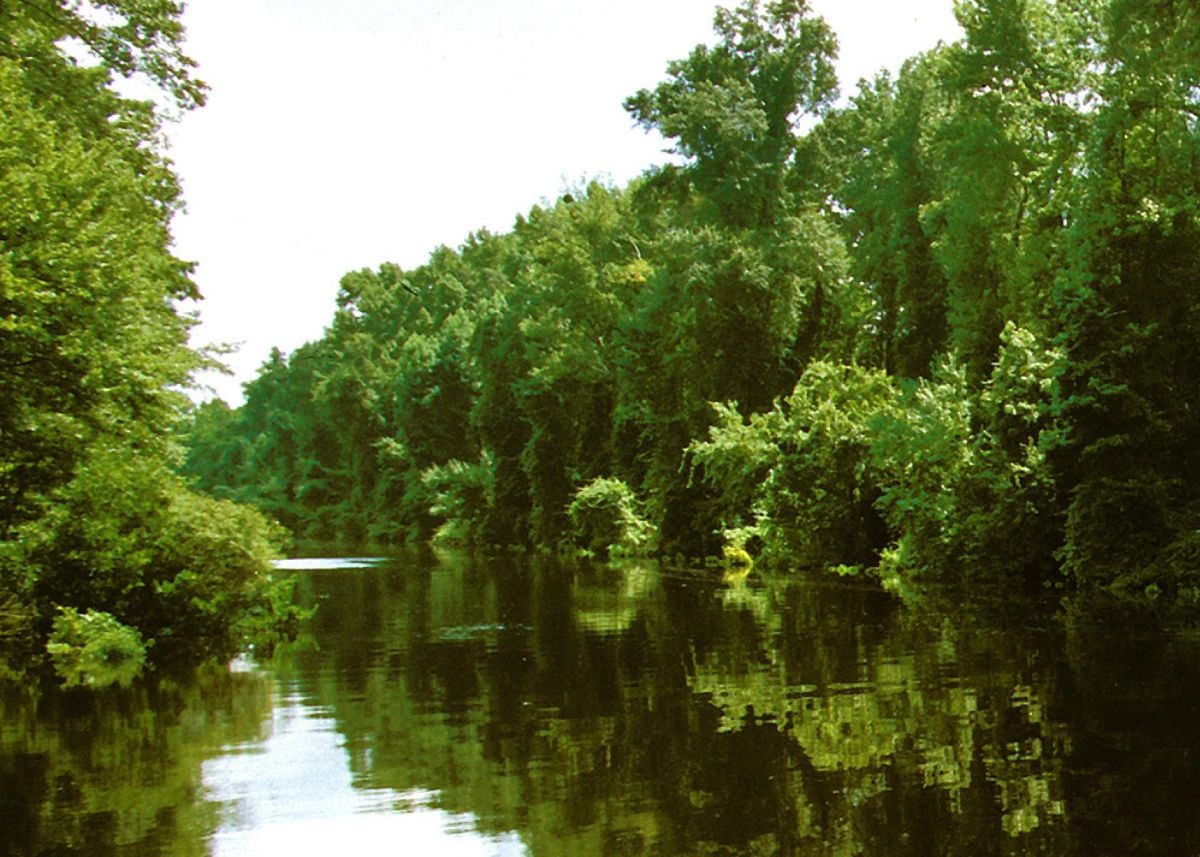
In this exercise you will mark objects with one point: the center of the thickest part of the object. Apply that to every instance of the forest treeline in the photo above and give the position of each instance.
(945, 327)
(108, 560)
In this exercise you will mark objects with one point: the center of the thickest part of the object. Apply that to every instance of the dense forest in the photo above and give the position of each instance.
(108, 560)
(945, 327)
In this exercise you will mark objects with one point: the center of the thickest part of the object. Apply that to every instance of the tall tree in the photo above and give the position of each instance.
(732, 109)
(94, 352)
(93, 345)
(883, 174)
(1131, 309)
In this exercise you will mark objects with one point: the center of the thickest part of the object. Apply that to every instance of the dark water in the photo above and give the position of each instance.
(448, 707)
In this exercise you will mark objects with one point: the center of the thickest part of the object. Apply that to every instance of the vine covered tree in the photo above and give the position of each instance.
(941, 328)
(95, 354)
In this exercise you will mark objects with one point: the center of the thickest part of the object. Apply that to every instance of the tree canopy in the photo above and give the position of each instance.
(95, 356)
(941, 328)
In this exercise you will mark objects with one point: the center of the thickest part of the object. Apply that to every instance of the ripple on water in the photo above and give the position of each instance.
(325, 563)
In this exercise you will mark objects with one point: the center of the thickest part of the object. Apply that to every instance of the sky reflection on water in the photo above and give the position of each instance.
(440, 704)
(293, 793)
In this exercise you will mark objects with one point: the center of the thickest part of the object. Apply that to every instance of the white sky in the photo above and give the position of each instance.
(341, 134)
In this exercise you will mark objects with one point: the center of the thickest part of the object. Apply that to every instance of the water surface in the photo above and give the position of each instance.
(526, 707)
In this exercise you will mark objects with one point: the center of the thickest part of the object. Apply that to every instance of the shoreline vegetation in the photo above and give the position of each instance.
(110, 563)
(944, 331)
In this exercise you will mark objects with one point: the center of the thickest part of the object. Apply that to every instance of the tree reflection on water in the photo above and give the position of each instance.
(531, 706)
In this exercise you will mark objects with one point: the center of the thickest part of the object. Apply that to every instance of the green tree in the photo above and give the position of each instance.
(882, 172)
(1012, 147)
(91, 341)
(748, 270)
(94, 351)
(732, 109)
(953, 316)
(1129, 307)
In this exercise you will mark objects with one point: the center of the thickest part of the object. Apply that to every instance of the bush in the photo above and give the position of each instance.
(964, 471)
(93, 649)
(606, 519)
(128, 539)
(209, 585)
(801, 474)
(955, 478)
(820, 495)
(459, 495)
(923, 452)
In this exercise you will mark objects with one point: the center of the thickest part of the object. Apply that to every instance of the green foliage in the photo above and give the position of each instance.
(879, 164)
(93, 649)
(731, 108)
(89, 339)
(851, 460)
(210, 586)
(101, 546)
(188, 572)
(949, 325)
(606, 520)
(1129, 308)
(126, 37)
(803, 470)
(821, 490)
(460, 495)
(924, 451)
(210, 461)
(966, 479)
(1012, 505)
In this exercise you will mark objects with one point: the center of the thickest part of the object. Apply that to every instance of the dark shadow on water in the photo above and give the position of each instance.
(623, 709)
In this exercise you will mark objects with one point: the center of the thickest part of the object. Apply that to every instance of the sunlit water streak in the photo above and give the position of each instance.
(293, 793)
(324, 563)
(451, 705)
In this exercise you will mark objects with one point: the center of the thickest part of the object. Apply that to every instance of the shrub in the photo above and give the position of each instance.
(127, 538)
(459, 495)
(606, 519)
(965, 474)
(923, 452)
(93, 649)
(209, 586)
(820, 495)
(801, 474)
